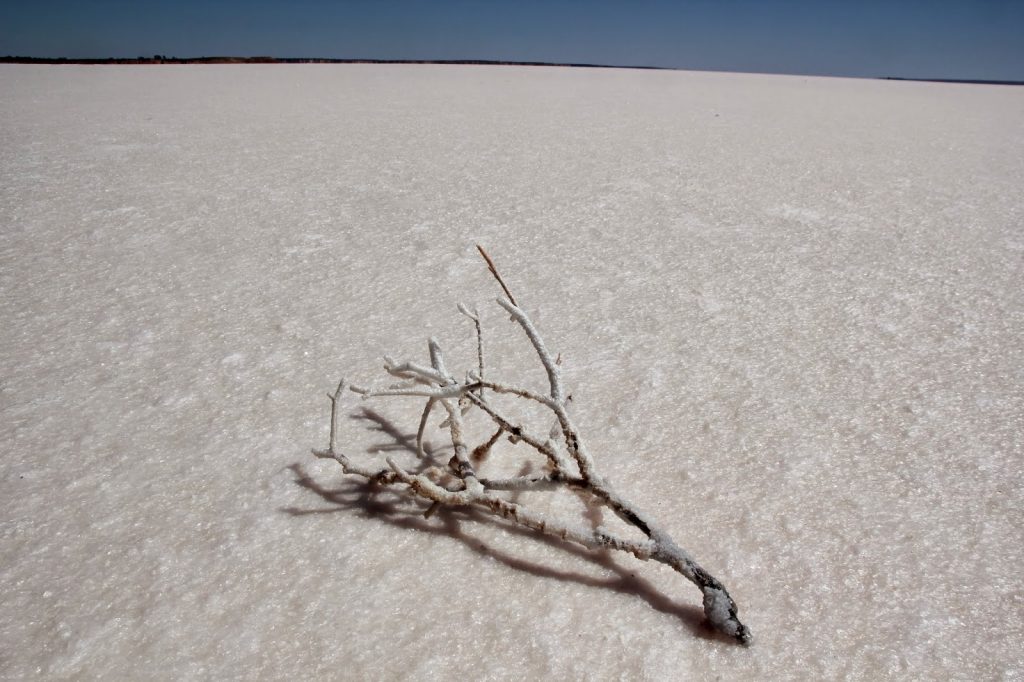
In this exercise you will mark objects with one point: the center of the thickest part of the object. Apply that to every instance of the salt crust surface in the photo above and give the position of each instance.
(790, 311)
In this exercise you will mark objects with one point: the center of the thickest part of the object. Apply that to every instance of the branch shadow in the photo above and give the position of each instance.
(396, 508)
(399, 441)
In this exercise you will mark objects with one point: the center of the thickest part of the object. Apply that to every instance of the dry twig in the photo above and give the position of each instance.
(573, 468)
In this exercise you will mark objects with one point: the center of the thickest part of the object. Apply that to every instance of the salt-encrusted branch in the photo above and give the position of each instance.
(380, 475)
(550, 366)
(475, 317)
(458, 482)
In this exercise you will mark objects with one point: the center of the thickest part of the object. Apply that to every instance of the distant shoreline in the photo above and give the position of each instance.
(158, 59)
(974, 81)
(161, 59)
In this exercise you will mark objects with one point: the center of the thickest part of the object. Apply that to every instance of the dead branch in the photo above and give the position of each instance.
(569, 463)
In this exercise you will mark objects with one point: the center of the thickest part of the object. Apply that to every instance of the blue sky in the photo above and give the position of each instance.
(981, 39)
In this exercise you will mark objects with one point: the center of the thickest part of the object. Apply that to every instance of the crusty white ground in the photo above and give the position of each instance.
(791, 312)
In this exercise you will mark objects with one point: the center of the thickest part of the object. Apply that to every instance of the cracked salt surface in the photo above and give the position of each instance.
(790, 313)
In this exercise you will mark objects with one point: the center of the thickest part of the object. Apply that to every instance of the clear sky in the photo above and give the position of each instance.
(973, 39)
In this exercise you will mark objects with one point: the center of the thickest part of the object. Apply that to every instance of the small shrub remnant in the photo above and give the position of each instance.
(569, 464)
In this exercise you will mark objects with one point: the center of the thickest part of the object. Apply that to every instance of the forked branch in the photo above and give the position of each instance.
(569, 464)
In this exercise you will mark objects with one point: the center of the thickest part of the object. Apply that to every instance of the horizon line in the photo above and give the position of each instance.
(266, 59)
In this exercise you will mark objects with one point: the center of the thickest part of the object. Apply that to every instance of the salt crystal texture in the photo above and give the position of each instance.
(789, 309)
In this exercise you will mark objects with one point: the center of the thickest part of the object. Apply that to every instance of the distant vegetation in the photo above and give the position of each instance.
(163, 59)
(155, 59)
(955, 80)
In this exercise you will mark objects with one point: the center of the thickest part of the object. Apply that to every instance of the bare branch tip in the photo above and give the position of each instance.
(337, 392)
(494, 272)
(471, 314)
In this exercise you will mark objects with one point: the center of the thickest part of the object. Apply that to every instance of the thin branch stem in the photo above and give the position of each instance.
(475, 317)
(494, 271)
